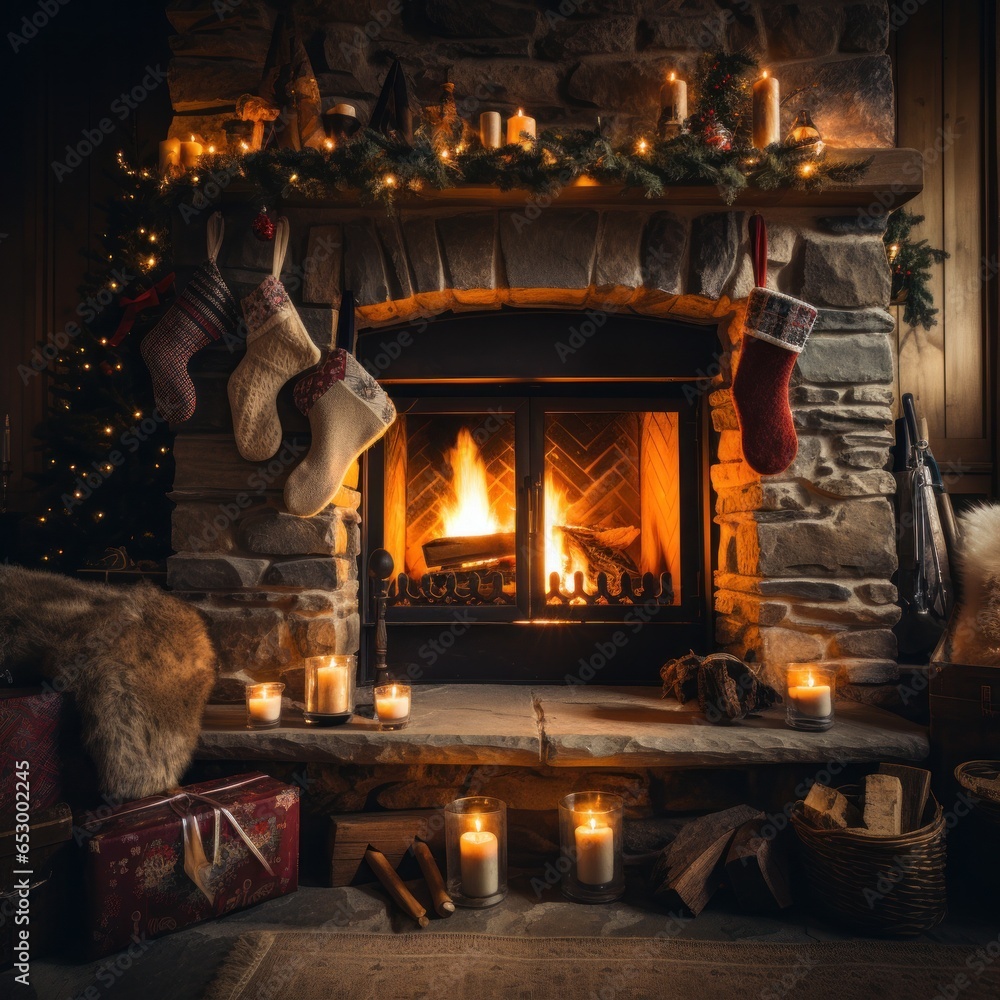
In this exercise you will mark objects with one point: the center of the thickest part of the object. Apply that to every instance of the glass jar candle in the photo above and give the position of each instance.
(329, 684)
(264, 705)
(590, 835)
(392, 705)
(809, 696)
(475, 831)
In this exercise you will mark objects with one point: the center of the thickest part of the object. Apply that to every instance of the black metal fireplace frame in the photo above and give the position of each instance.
(467, 363)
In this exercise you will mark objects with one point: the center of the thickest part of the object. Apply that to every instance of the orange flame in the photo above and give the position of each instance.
(557, 553)
(471, 512)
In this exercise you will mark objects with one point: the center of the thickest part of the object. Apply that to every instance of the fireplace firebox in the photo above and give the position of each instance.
(542, 494)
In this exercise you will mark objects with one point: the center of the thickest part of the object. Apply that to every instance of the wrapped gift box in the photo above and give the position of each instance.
(38, 889)
(31, 726)
(164, 863)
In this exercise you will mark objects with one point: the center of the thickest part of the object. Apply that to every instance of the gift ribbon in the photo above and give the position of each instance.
(147, 300)
(195, 859)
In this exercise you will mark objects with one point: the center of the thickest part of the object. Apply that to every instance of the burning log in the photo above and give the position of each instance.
(602, 551)
(454, 553)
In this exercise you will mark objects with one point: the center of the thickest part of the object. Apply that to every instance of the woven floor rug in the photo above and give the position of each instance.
(324, 966)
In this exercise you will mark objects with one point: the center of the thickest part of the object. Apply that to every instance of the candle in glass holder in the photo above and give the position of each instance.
(766, 111)
(191, 153)
(333, 689)
(480, 865)
(595, 852)
(674, 99)
(489, 129)
(264, 704)
(392, 705)
(810, 698)
(517, 124)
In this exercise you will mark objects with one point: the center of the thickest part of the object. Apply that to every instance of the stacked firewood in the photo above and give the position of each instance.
(727, 689)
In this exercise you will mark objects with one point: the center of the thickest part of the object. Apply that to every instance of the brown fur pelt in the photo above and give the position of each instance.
(138, 662)
(975, 635)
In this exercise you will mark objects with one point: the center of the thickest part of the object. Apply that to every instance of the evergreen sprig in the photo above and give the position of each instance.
(911, 261)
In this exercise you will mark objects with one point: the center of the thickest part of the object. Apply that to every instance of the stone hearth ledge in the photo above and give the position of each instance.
(565, 727)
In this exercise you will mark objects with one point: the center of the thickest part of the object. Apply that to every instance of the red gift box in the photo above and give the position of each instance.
(169, 861)
(31, 721)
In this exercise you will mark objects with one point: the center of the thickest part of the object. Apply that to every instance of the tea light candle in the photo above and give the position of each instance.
(766, 111)
(674, 98)
(393, 703)
(333, 687)
(264, 703)
(480, 866)
(170, 155)
(812, 699)
(517, 124)
(595, 852)
(489, 129)
(191, 153)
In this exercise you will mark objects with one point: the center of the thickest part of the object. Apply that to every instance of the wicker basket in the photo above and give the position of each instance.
(877, 885)
(977, 777)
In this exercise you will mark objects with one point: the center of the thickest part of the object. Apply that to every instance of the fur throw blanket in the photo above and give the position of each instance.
(138, 661)
(975, 636)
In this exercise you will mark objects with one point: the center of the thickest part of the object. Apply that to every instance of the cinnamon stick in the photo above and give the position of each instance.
(393, 885)
(443, 905)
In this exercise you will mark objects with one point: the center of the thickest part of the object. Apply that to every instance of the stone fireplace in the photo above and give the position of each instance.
(788, 568)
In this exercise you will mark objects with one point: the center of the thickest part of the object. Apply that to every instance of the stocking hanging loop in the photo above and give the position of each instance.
(280, 246)
(214, 232)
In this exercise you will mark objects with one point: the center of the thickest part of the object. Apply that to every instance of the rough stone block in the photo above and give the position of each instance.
(246, 638)
(322, 264)
(316, 636)
(663, 252)
(363, 267)
(201, 527)
(396, 263)
(208, 83)
(706, 32)
(567, 39)
(802, 31)
(715, 240)
(271, 532)
(845, 272)
(336, 603)
(314, 573)
(866, 28)
(623, 83)
(457, 19)
(849, 358)
(201, 571)
(468, 241)
(421, 239)
(555, 250)
(858, 670)
(849, 320)
(619, 249)
(780, 646)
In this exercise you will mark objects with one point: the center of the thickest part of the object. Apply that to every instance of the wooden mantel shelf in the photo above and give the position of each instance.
(587, 726)
(894, 178)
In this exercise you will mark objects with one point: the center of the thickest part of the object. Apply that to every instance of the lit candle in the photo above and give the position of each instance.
(191, 154)
(766, 111)
(489, 129)
(595, 853)
(517, 124)
(333, 686)
(264, 704)
(811, 699)
(674, 98)
(170, 156)
(393, 703)
(480, 865)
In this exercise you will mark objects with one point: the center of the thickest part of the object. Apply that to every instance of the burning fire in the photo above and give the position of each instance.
(558, 558)
(471, 513)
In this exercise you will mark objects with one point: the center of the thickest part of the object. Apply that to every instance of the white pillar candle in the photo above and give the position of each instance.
(489, 129)
(333, 687)
(393, 704)
(766, 111)
(674, 98)
(811, 699)
(170, 156)
(264, 707)
(480, 865)
(191, 154)
(595, 853)
(517, 124)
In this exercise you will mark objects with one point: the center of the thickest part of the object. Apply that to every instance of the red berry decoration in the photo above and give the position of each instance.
(263, 226)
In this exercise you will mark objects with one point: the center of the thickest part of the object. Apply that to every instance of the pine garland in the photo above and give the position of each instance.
(911, 261)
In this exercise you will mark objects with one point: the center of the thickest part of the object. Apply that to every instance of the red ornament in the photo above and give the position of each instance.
(263, 226)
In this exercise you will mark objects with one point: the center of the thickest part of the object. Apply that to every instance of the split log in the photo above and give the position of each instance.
(390, 832)
(883, 813)
(827, 809)
(603, 551)
(758, 870)
(680, 678)
(916, 784)
(463, 550)
(690, 870)
(727, 689)
(393, 885)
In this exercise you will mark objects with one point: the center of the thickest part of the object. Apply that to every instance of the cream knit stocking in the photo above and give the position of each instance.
(278, 348)
(348, 412)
